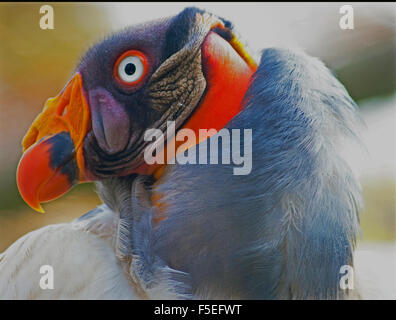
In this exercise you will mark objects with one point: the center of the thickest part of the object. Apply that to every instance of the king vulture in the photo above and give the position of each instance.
(192, 230)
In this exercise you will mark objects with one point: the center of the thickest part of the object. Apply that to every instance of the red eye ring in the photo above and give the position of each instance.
(131, 68)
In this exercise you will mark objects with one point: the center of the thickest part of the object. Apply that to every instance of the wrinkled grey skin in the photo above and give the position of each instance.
(281, 232)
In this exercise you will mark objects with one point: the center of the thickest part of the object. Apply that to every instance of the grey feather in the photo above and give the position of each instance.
(284, 230)
(129, 198)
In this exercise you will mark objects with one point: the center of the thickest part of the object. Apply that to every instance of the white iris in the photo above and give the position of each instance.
(130, 69)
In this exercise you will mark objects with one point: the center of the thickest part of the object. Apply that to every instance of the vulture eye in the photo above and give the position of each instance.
(131, 67)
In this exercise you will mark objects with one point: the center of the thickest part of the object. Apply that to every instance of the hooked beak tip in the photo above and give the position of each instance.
(38, 208)
(47, 170)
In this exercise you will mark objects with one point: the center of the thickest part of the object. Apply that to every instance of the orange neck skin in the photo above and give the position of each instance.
(228, 78)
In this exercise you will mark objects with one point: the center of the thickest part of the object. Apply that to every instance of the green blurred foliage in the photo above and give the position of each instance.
(378, 220)
(35, 64)
(372, 75)
(36, 61)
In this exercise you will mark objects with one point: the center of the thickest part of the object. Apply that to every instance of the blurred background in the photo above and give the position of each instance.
(35, 64)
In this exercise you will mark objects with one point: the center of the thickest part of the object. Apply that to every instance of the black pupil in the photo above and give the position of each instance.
(130, 69)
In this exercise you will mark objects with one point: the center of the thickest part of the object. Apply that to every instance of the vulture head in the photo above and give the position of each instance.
(191, 69)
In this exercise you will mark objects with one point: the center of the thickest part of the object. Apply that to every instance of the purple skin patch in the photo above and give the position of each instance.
(110, 122)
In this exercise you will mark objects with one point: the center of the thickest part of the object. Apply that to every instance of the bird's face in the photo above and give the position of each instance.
(190, 69)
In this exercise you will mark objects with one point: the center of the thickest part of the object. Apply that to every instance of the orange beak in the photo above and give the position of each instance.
(52, 160)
